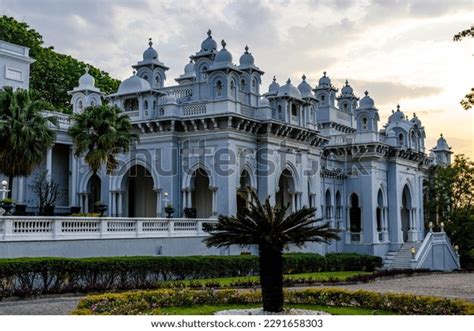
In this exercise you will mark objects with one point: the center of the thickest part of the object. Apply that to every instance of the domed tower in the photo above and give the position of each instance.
(442, 152)
(150, 68)
(325, 92)
(312, 103)
(204, 57)
(347, 101)
(367, 116)
(86, 94)
(250, 79)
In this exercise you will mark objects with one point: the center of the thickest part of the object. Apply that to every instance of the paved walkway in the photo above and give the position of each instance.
(444, 285)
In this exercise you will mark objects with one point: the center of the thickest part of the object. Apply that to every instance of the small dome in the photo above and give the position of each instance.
(150, 53)
(397, 116)
(289, 90)
(133, 84)
(324, 81)
(86, 80)
(223, 56)
(263, 102)
(366, 102)
(208, 44)
(441, 144)
(305, 88)
(415, 120)
(274, 86)
(247, 58)
(347, 89)
(189, 67)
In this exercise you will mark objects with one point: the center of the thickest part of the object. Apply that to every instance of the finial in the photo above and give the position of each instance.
(393, 111)
(406, 117)
(134, 72)
(209, 33)
(441, 135)
(87, 68)
(324, 73)
(246, 48)
(303, 77)
(414, 115)
(223, 43)
(288, 81)
(366, 93)
(347, 82)
(398, 107)
(150, 43)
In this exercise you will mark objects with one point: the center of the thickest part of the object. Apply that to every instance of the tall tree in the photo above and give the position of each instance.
(101, 132)
(25, 133)
(53, 74)
(272, 230)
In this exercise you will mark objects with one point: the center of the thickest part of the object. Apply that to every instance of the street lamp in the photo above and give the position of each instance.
(4, 189)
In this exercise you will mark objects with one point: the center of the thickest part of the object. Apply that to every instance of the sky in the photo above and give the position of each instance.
(401, 51)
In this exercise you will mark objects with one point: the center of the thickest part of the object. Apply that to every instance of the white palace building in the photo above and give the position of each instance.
(212, 134)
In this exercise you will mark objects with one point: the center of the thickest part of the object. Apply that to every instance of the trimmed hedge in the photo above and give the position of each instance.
(35, 276)
(149, 302)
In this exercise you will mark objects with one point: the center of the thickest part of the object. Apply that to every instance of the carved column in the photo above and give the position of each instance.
(158, 191)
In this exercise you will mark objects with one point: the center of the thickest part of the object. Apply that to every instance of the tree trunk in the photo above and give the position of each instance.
(10, 186)
(271, 278)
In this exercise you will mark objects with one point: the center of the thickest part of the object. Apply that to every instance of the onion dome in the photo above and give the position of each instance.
(441, 144)
(188, 68)
(415, 120)
(208, 44)
(246, 58)
(347, 89)
(263, 102)
(133, 84)
(274, 86)
(223, 56)
(289, 90)
(305, 88)
(324, 81)
(86, 80)
(150, 53)
(366, 102)
(396, 116)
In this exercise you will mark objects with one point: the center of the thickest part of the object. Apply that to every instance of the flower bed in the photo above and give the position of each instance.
(150, 302)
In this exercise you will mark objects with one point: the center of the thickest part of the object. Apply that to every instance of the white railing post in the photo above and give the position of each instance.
(7, 228)
(56, 227)
(199, 227)
(171, 228)
(139, 227)
(103, 228)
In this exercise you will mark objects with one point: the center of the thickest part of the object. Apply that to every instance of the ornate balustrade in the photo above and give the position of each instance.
(194, 109)
(30, 228)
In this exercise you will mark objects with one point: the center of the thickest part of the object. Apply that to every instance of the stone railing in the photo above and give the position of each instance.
(194, 109)
(32, 228)
(436, 253)
(64, 120)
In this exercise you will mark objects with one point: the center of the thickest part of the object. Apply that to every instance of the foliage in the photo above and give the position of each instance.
(30, 276)
(450, 192)
(101, 132)
(46, 189)
(468, 101)
(85, 215)
(7, 201)
(24, 132)
(272, 229)
(52, 74)
(148, 302)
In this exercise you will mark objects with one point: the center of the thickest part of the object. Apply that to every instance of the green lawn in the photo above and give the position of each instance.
(209, 310)
(315, 276)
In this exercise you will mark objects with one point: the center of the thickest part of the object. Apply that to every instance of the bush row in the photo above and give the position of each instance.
(33, 276)
(149, 302)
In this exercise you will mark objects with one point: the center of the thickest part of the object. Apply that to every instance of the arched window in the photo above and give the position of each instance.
(158, 80)
(145, 77)
(93, 103)
(79, 105)
(218, 88)
(364, 123)
(242, 84)
(328, 204)
(338, 205)
(345, 106)
(294, 110)
(413, 140)
(401, 139)
(379, 211)
(131, 104)
(145, 105)
(322, 98)
(232, 89)
(355, 214)
(254, 85)
(203, 72)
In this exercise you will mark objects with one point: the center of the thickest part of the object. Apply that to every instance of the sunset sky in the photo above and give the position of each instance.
(400, 51)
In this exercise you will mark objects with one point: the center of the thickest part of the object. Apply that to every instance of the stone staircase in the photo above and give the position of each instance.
(400, 259)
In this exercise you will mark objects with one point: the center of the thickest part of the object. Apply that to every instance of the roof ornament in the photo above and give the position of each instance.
(414, 115)
(87, 69)
(406, 117)
(134, 72)
(209, 32)
(303, 77)
(347, 82)
(393, 111)
(324, 73)
(246, 49)
(366, 93)
(398, 107)
(150, 43)
(274, 79)
(288, 81)
(223, 43)
(441, 135)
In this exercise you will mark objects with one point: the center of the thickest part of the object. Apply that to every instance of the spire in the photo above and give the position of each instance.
(288, 81)
(347, 82)
(303, 77)
(324, 73)
(274, 79)
(150, 43)
(223, 43)
(134, 72)
(209, 32)
(246, 49)
(87, 69)
(398, 107)
(366, 93)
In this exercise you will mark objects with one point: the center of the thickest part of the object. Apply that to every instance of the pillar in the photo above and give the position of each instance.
(73, 178)
(119, 203)
(49, 163)
(214, 200)
(159, 212)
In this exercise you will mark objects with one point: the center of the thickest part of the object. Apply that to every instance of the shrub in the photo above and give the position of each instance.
(146, 302)
(49, 275)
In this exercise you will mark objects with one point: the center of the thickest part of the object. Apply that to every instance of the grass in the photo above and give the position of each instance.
(316, 276)
(210, 310)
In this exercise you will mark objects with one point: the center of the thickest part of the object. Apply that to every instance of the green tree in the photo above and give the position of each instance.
(468, 101)
(101, 132)
(272, 230)
(25, 133)
(450, 192)
(53, 74)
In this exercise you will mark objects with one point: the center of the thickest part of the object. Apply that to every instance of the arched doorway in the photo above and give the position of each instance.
(328, 204)
(286, 188)
(94, 188)
(243, 192)
(405, 212)
(355, 215)
(379, 213)
(201, 194)
(338, 214)
(140, 199)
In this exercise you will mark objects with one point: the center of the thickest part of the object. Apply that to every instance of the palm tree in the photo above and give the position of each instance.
(101, 132)
(271, 229)
(25, 133)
